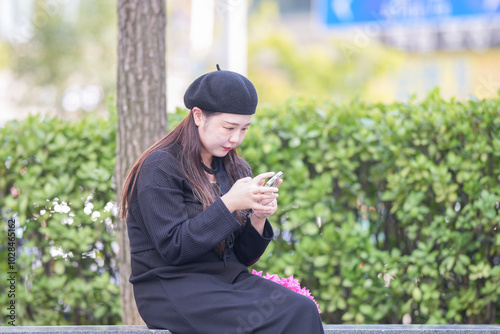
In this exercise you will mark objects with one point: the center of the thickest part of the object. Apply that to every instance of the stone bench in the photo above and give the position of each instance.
(329, 329)
(121, 329)
(412, 329)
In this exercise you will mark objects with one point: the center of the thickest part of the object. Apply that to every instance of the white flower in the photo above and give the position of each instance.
(56, 251)
(95, 215)
(62, 208)
(109, 206)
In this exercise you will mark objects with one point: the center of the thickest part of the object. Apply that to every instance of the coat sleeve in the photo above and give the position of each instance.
(178, 238)
(250, 244)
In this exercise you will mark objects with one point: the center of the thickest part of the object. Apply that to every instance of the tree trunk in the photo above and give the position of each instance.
(141, 104)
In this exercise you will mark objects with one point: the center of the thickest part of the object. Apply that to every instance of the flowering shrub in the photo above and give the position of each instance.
(56, 181)
(289, 282)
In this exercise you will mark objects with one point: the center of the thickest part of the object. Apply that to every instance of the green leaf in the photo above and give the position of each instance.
(417, 294)
(321, 261)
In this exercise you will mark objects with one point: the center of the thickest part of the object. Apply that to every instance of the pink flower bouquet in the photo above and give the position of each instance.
(289, 282)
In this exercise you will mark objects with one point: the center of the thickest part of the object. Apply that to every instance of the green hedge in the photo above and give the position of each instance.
(387, 211)
(65, 262)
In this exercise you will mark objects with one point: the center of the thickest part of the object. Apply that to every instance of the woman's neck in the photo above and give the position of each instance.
(207, 159)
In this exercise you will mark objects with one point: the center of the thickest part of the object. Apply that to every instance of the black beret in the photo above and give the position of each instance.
(222, 91)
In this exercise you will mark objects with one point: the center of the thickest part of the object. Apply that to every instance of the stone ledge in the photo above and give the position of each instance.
(329, 329)
(412, 329)
(122, 329)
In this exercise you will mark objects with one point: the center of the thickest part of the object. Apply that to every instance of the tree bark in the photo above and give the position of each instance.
(141, 104)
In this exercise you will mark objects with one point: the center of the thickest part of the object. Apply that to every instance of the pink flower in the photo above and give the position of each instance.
(289, 282)
(15, 192)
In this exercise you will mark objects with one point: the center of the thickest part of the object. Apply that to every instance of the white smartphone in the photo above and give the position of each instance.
(274, 180)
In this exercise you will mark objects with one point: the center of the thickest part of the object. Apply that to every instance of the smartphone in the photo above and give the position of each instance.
(274, 180)
(271, 183)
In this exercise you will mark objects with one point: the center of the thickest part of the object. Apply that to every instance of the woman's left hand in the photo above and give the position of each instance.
(271, 205)
(259, 217)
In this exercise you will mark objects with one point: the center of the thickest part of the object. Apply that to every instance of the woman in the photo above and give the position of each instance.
(196, 219)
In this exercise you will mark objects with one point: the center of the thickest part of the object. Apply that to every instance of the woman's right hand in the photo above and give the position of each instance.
(247, 193)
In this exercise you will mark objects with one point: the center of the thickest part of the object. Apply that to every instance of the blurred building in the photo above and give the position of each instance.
(19, 21)
(453, 45)
(200, 34)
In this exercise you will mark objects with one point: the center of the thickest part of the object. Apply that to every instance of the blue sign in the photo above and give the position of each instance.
(341, 12)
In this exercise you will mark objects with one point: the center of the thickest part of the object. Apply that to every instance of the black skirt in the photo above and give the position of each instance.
(201, 302)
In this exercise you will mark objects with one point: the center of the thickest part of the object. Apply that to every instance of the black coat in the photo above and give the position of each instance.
(180, 283)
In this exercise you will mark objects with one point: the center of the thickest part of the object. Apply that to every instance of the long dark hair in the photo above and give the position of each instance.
(186, 134)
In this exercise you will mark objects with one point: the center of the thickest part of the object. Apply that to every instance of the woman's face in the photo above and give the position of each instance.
(220, 133)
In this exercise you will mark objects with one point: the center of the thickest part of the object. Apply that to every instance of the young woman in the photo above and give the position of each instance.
(197, 219)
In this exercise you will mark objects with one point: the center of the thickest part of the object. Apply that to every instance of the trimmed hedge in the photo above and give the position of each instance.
(387, 211)
(56, 177)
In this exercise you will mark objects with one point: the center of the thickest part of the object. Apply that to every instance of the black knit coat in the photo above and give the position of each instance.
(180, 283)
